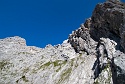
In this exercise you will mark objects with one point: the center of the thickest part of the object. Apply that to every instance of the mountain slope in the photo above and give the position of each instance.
(93, 54)
(51, 65)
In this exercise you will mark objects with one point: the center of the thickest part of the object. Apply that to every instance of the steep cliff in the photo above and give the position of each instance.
(93, 54)
(103, 35)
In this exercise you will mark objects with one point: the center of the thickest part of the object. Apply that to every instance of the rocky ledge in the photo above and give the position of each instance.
(93, 54)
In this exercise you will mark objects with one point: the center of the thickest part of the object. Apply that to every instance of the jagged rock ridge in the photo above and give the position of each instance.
(93, 54)
(103, 35)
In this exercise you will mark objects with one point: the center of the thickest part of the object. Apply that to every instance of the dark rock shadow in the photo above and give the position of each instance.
(96, 66)
(118, 76)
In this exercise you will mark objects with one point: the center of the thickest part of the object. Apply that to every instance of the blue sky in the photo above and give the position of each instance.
(43, 22)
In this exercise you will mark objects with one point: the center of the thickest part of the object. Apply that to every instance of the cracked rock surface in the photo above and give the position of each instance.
(92, 54)
(102, 35)
(60, 64)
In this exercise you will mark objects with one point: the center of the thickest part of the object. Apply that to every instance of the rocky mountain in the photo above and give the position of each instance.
(93, 54)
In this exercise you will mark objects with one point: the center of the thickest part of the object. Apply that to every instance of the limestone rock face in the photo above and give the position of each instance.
(92, 54)
(59, 64)
(81, 40)
(119, 67)
(102, 35)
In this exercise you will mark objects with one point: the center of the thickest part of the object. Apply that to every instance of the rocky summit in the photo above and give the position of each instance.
(92, 54)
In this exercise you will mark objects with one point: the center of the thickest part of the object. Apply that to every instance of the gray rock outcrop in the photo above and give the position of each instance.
(59, 64)
(92, 54)
(103, 35)
(108, 19)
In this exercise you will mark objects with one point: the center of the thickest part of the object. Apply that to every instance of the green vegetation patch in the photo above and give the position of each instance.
(77, 61)
(24, 79)
(25, 70)
(54, 63)
(4, 64)
(65, 75)
(59, 63)
(23, 53)
(101, 79)
(96, 82)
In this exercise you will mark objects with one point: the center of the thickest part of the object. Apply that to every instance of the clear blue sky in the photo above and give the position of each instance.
(43, 22)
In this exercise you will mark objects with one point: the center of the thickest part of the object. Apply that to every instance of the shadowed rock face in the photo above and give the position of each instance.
(103, 35)
(93, 54)
(108, 20)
